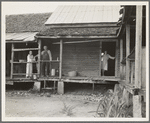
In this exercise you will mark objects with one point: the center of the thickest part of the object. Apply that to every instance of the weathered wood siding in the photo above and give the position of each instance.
(83, 58)
(143, 84)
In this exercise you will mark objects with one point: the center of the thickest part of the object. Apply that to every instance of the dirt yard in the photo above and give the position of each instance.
(76, 102)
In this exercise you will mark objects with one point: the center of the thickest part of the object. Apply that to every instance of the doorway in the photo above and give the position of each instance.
(110, 47)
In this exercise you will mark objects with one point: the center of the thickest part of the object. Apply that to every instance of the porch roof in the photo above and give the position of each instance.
(20, 37)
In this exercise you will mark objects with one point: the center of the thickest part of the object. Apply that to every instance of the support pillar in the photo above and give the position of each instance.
(137, 106)
(39, 57)
(100, 52)
(12, 60)
(60, 62)
(60, 88)
(121, 57)
(127, 52)
(116, 60)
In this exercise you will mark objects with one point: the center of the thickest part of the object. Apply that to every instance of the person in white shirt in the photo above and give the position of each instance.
(104, 62)
(29, 67)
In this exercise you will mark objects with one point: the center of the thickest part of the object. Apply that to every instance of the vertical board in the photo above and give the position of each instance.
(12, 60)
(127, 52)
(100, 52)
(121, 56)
(39, 56)
(137, 106)
(116, 60)
(138, 46)
(143, 84)
(61, 53)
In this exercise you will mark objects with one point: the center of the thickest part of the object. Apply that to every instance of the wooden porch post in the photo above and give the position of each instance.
(60, 64)
(60, 82)
(39, 56)
(137, 106)
(121, 56)
(127, 52)
(100, 52)
(116, 60)
(12, 60)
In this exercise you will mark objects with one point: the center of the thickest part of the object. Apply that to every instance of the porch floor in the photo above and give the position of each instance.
(96, 79)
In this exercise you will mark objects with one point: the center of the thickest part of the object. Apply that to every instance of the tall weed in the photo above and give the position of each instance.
(113, 104)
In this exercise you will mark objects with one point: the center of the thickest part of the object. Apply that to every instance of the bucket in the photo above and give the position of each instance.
(72, 73)
(53, 72)
(34, 77)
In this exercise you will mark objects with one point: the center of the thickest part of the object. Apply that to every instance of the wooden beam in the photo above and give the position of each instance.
(121, 56)
(26, 49)
(78, 37)
(85, 41)
(116, 60)
(83, 25)
(100, 52)
(23, 73)
(60, 63)
(137, 106)
(39, 56)
(138, 46)
(127, 52)
(7, 41)
(12, 60)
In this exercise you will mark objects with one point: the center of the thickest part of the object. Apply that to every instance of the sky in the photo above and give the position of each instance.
(9, 8)
(41, 7)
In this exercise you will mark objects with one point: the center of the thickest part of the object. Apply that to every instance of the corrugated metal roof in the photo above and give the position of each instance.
(26, 36)
(72, 14)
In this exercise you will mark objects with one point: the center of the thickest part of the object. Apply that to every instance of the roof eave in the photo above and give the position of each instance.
(78, 37)
(83, 25)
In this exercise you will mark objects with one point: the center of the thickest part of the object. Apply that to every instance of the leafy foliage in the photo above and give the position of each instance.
(67, 109)
(114, 104)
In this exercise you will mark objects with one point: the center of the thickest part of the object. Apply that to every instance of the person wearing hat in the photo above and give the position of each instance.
(46, 57)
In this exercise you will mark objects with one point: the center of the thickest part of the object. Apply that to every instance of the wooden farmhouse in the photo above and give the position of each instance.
(76, 37)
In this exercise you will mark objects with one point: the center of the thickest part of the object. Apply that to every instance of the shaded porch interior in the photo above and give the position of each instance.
(84, 58)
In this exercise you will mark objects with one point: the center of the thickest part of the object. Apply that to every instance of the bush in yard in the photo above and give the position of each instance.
(113, 104)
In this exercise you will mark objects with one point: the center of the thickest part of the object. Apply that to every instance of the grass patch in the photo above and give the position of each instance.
(68, 109)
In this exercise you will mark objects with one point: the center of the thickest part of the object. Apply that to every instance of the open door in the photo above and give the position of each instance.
(110, 47)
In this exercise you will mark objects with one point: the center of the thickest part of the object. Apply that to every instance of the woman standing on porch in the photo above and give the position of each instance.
(29, 67)
(104, 62)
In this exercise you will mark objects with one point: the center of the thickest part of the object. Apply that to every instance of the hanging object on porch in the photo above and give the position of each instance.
(53, 72)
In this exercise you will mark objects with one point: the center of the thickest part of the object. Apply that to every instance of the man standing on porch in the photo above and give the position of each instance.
(104, 62)
(46, 57)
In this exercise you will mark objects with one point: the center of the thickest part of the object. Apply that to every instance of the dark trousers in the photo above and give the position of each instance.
(45, 68)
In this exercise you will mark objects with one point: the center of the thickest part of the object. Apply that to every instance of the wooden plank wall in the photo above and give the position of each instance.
(83, 58)
(143, 84)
